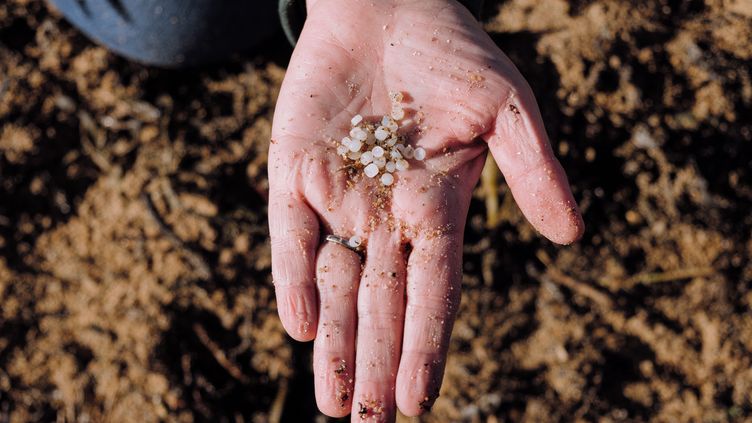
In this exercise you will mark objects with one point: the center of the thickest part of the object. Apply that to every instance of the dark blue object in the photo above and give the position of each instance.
(174, 33)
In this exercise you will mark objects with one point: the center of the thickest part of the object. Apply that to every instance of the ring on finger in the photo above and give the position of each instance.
(353, 243)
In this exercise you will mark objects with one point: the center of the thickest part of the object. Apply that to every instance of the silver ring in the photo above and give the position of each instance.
(343, 242)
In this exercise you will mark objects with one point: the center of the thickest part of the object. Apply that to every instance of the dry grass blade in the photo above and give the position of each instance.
(558, 277)
(219, 355)
(275, 412)
(489, 182)
(669, 276)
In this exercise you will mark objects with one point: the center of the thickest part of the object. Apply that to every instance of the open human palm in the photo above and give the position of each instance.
(382, 321)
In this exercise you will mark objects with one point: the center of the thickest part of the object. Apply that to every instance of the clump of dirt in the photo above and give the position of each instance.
(134, 257)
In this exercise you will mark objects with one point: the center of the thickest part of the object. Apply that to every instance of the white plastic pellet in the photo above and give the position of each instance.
(398, 113)
(391, 141)
(390, 166)
(355, 145)
(342, 150)
(401, 165)
(419, 153)
(354, 241)
(371, 170)
(395, 154)
(387, 179)
(377, 151)
(356, 120)
(366, 158)
(381, 133)
(386, 121)
(380, 162)
(358, 133)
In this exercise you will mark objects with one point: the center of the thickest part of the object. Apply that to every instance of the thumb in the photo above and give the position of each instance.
(520, 147)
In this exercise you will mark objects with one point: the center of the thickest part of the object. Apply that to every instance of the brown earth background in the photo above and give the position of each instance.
(134, 257)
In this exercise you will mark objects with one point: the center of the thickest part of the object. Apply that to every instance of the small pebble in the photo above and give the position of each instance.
(371, 170)
(408, 152)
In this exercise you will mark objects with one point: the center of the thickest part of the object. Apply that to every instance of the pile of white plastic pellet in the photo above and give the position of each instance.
(379, 149)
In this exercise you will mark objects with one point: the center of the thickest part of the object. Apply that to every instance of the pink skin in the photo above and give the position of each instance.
(396, 309)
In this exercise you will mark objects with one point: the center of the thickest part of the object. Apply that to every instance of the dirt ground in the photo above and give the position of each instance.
(134, 257)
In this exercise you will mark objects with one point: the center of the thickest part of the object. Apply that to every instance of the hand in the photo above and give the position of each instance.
(401, 302)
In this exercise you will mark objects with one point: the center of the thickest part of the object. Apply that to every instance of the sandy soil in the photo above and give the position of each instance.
(134, 259)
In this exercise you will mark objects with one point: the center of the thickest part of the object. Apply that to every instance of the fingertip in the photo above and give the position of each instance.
(569, 228)
(298, 310)
(542, 192)
(412, 406)
(328, 408)
(333, 406)
(576, 230)
(300, 333)
(418, 382)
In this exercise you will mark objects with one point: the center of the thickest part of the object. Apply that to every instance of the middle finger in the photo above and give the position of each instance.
(380, 321)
